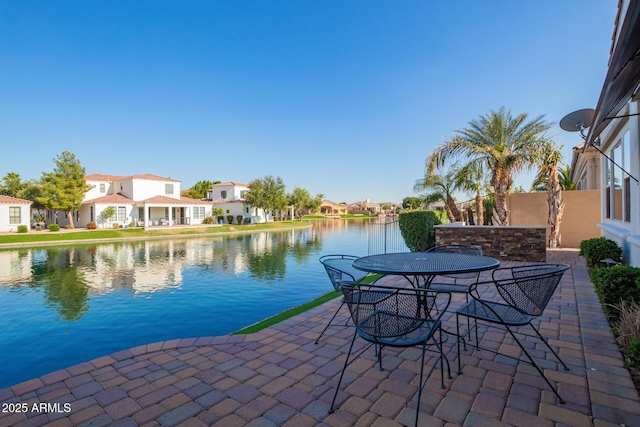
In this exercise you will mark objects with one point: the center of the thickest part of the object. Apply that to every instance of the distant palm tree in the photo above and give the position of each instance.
(436, 188)
(564, 173)
(548, 170)
(501, 144)
(472, 178)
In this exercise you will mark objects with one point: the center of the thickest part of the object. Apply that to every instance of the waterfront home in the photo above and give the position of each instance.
(143, 200)
(14, 212)
(230, 197)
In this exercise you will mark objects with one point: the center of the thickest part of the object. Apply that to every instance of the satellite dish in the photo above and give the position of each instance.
(578, 120)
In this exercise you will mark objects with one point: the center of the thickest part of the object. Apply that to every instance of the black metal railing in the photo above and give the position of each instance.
(383, 237)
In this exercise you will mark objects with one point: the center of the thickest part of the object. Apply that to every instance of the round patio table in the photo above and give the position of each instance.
(419, 268)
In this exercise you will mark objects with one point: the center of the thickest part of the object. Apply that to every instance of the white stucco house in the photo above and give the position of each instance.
(144, 200)
(14, 212)
(230, 197)
(615, 131)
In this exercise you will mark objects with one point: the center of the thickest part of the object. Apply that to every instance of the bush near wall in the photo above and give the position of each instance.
(616, 284)
(92, 225)
(239, 219)
(598, 248)
(230, 219)
(22, 229)
(417, 230)
(54, 227)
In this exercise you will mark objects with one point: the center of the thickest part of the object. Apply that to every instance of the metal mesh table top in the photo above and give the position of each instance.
(425, 263)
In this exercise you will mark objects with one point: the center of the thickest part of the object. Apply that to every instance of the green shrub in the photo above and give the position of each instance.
(92, 225)
(442, 215)
(598, 248)
(207, 220)
(116, 226)
(230, 219)
(54, 227)
(38, 228)
(417, 230)
(633, 353)
(22, 229)
(239, 219)
(620, 283)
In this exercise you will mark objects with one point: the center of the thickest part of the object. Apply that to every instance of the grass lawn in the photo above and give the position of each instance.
(139, 233)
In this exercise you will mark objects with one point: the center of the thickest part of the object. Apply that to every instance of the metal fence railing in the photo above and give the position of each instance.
(383, 237)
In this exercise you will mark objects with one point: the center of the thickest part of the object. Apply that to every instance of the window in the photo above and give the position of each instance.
(121, 187)
(91, 213)
(227, 210)
(243, 193)
(14, 215)
(247, 209)
(168, 189)
(122, 213)
(198, 212)
(223, 194)
(140, 213)
(618, 182)
(102, 188)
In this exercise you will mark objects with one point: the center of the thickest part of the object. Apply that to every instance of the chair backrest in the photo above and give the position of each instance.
(530, 287)
(381, 312)
(340, 267)
(457, 249)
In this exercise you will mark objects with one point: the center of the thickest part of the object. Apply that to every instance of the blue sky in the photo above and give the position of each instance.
(343, 98)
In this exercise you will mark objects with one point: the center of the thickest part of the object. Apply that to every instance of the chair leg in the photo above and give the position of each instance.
(420, 385)
(344, 368)
(535, 365)
(549, 347)
(458, 338)
(330, 320)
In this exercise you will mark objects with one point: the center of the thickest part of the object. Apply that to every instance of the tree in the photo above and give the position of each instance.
(200, 188)
(266, 193)
(411, 203)
(501, 144)
(314, 203)
(440, 188)
(12, 185)
(32, 190)
(564, 176)
(550, 158)
(106, 215)
(299, 199)
(65, 187)
(472, 178)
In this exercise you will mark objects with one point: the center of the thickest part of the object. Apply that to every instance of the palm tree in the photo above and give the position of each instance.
(499, 143)
(564, 175)
(440, 187)
(549, 160)
(471, 178)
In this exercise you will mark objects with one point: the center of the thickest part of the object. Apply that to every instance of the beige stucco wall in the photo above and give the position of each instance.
(580, 219)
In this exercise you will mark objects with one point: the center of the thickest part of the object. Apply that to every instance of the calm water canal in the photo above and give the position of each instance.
(61, 306)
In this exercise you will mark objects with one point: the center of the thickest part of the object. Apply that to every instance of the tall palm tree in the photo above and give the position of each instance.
(499, 143)
(564, 175)
(549, 160)
(440, 188)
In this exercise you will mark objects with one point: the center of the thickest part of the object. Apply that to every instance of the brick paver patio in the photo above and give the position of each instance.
(280, 377)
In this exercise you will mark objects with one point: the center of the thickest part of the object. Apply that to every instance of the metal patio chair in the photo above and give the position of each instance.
(526, 291)
(339, 267)
(400, 317)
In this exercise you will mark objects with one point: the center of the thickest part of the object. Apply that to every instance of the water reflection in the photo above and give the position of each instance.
(69, 277)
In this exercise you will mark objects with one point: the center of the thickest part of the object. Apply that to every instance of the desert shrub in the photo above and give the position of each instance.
(207, 220)
(22, 229)
(132, 224)
(417, 230)
(276, 218)
(54, 227)
(38, 228)
(239, 219)
(627, 330)
(67, 227)
(91, 225)
(614, 285)
(116, 226)
(598, 248)
(633, 353)
(230, 219)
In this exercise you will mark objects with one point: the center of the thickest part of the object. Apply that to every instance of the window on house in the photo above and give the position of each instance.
(243, 193)
(14, 215)
(168, 189)
(140, 213)
(91, 213)
(618, 182)
(102, 188)
(121, 187)
(122, 213)
(223, 194)
(198, 212)
(227, 210)
(247, 210)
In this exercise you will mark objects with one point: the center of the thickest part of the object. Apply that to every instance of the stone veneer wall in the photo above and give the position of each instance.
(503, 243)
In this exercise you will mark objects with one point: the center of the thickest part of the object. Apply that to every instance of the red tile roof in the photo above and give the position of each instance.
(110, 198)
(147, 176)
(13, 200)
(228, 183)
